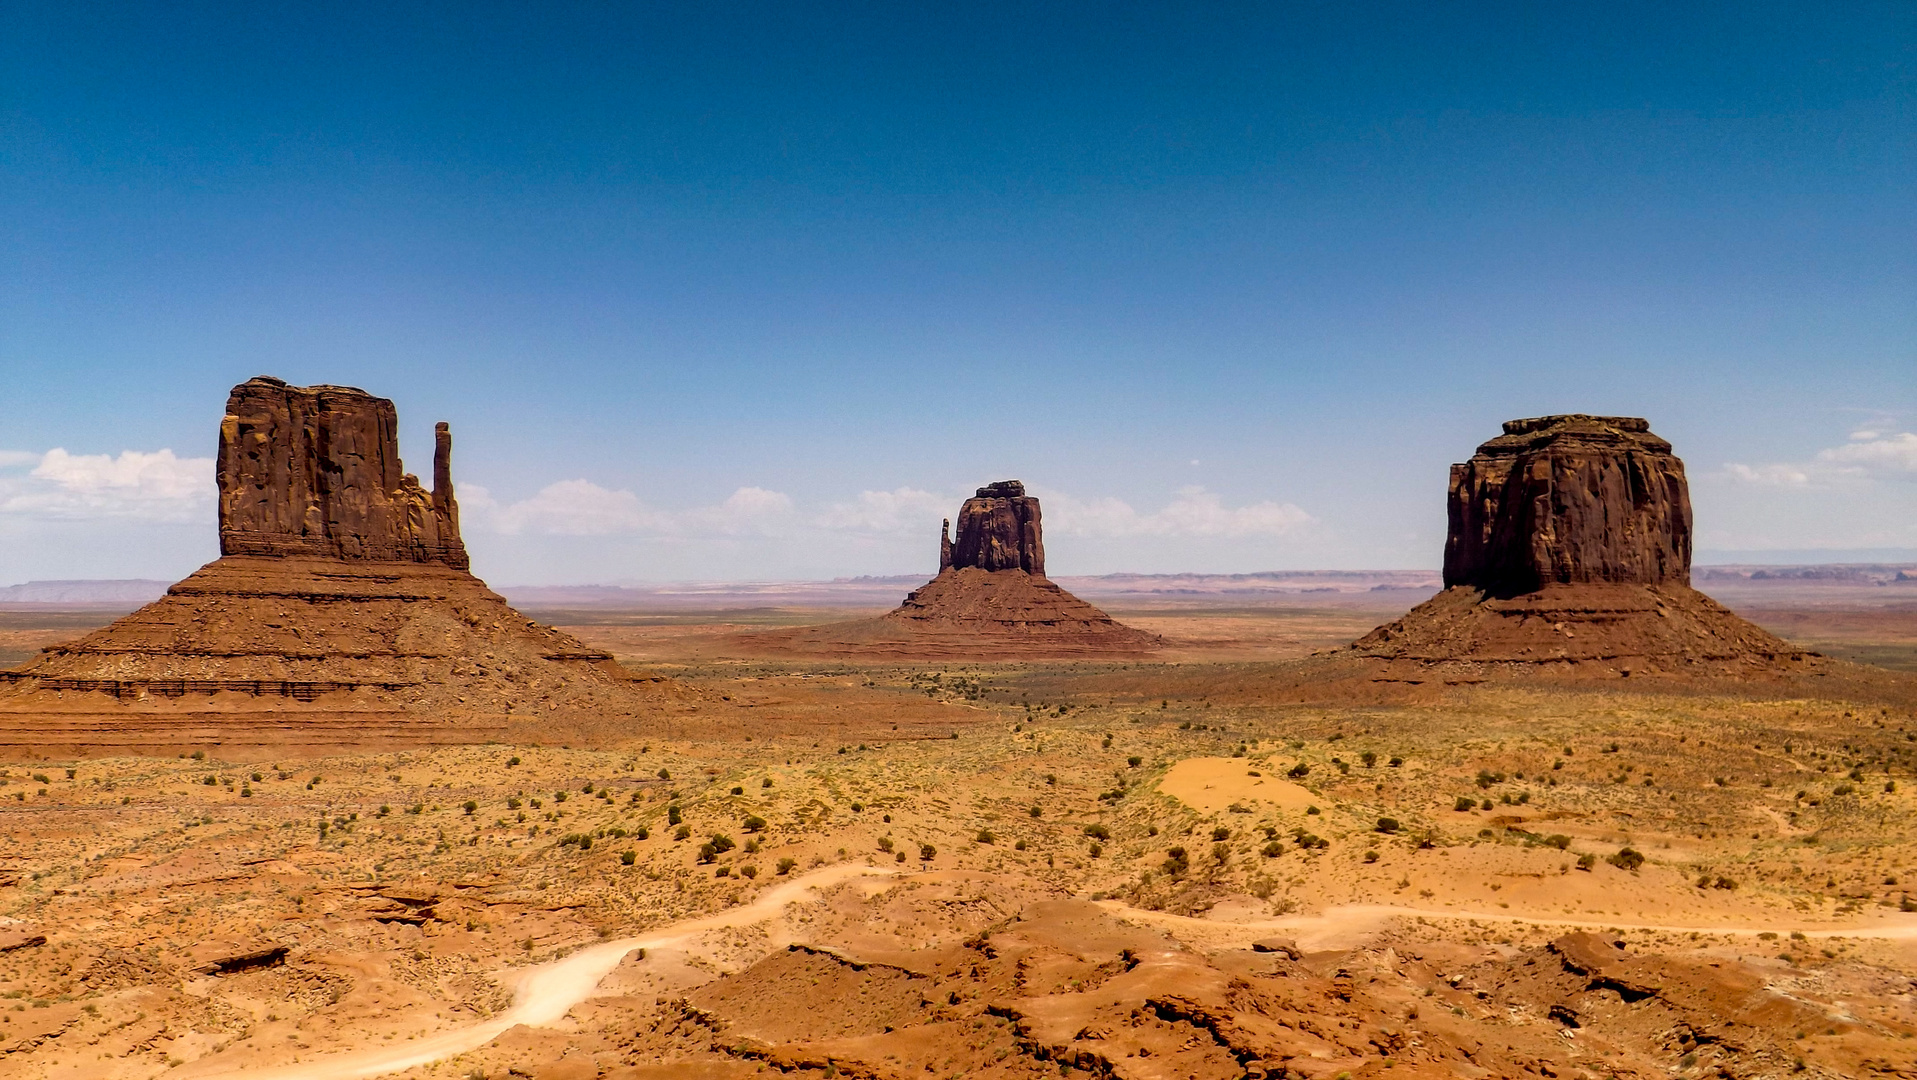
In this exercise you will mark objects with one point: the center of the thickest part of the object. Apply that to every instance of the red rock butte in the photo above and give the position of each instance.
(991, 600)
(1569, 552)
(340, 612)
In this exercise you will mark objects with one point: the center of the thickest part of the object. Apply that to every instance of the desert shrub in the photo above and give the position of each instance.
(753, 823)
(1369, 757)
(665, 774)
(1626, 859)
(707, 853)
(885, 843)
(1019, 846)
(1395, 761)
(627, 858)
(927, 852)
(786, 865)
(1220, 834)
(1387, 825)
(1586, 861)
(1299, 770)
(513, 803)
(1558, 840)
(674, 815)
(1465, 803)
(470, 807)
(511, 761)
(748, 871)
(751, 846)
(1036, 810)
(1177, 862)
(683, 832)
(1371, 856)
(721, 842)
(766, 783)
(559, 796)
(642, 833)
(1098, 832)
(1272, 850)
(985, 837)
(1134, 761)
(1095, 850)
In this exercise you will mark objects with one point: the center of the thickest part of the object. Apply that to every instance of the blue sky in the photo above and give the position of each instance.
(731, 291)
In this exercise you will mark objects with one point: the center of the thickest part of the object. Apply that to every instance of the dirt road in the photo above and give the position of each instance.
(543, 994)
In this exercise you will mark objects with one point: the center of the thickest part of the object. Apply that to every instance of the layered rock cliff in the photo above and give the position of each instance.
(340, 612)
(1569, 554)
(1569, 500)
(991, 599)
(315, 471)
(999, 529)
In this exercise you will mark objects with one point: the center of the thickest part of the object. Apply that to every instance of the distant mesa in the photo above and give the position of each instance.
(990, 600)
(1569, 552)
(340, 612)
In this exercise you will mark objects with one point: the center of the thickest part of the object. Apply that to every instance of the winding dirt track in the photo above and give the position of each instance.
(546, 993)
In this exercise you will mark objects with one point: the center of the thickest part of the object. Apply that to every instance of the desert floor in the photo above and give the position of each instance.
(998, 869)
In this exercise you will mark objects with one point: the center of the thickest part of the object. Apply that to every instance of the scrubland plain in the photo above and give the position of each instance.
(1129, 868)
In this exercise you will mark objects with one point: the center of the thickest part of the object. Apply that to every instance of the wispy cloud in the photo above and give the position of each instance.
(1194, 512)
(154, 486)
(583, 508)
(1869, 455)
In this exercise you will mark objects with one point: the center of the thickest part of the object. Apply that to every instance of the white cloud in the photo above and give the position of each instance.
(1868, 456)
(583, 508)
(1870, 452)
(899, 511)
(1771, 475)
(156, 486)
(1195, 512)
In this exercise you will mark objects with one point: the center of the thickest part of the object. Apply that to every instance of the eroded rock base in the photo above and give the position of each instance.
(973, 614)
(311, 652)
(1580, 631)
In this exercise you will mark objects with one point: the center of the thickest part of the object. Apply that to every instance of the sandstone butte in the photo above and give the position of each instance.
(341, 612)
(1569, 553)
(991, 600)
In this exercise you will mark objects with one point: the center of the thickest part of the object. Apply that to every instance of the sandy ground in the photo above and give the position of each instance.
(916, 870)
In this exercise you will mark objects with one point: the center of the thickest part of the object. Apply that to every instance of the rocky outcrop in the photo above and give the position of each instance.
(315, 471)
(340, 613)
(998, 529)
(1569, 554)
(991, 599)
(1569, 500)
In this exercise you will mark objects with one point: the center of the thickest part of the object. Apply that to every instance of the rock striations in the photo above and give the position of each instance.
(340, 612)
(1569, 553)
(990, 600)
(315, 471)
(1569, 500)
